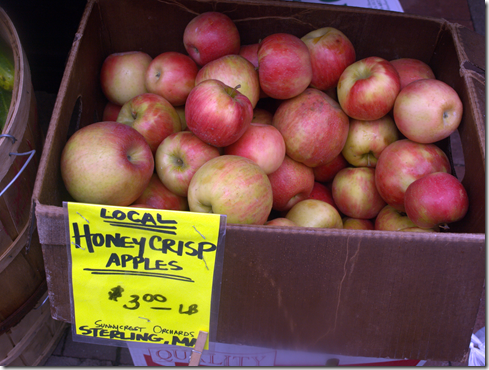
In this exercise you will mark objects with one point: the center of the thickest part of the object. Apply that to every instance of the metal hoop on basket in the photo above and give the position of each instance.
(29, 153)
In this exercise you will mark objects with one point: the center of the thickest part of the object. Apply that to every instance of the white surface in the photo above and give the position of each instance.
(392, 5)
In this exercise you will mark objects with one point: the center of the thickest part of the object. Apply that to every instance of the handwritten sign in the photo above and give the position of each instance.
(142, 275)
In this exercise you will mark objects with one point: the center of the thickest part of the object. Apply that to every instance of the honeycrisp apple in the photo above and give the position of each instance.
(322, 192)
(367, 89)
(326, 172)
(315, 213)
(152, 115)
(351, 223)
(435, 200)
(171, 75)
(178, 157)
(217, 113)
(261, 143)
(122, 76)
(250, 53)
(367, 139)
(411, 69)
(106, 163)
(284, 66)
(233, 70)
(313, 126)
(427, 111)
(291, 183)
(233, 186)
(355, 194)
(390, 219)
(331, 52)
(403, 162)
(157, 195)
(111, 111)
(209, 36)
(280, 221)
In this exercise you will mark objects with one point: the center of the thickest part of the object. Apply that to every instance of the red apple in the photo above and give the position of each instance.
(322, 192)
(158, 196)
(233, 70)
(250, 53)
(313, 126)
(367, 139)
(367, 89)
(403, 162)
(233, 186)
(111, 111)
(261, 143)
(280, 221)
(355, 194)
(106, 163)
(326, 172)
(315, 213)
(218, 114)
(171, 75)
(331, 52)
(285, 67)
(291, 183)
(410, 70)
(436, 199)
(351, 223)
(209, 36)
(427, 111)
(261, 115)
(152, 115)
(178, 157)
(122, 76)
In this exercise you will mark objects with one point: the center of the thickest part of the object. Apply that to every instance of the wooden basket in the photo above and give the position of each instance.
(22, 275)
(33, 339)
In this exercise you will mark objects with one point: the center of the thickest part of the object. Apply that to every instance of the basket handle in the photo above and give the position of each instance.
(29, 153)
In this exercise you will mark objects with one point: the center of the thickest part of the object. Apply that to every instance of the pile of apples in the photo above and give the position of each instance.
(287, 131)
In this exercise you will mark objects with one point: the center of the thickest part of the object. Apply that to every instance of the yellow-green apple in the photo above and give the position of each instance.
(436, 199)
(261, 143)
(122, 76)
(158, 196)
(351, 223)
(427, 111)
(403, 162)
(217, 113)
(313, 126)
(367, 89)
(178, 157)
(326, 172)
(315, 213)
(284, 66)
(152, 115)
(411, 69)
(355, 194)
(233, 186)
(280, 221)
(233, 70)
(209, 36)
(111, 111)
(291, 182)
(261, 115)
(172, 75)
(331, 52)
(106, 163)
(390, 219)
(181, 113)
(322, 192)
(367, 139)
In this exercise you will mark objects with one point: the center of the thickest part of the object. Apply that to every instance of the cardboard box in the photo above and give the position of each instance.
(356, 293)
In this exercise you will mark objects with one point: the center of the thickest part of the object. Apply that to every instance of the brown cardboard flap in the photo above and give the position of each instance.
(359, 293)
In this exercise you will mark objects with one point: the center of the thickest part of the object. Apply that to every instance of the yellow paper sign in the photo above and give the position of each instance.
(142, 275)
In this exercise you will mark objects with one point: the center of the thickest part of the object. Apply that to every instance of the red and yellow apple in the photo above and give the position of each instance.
(158, 196)
(315, 213)
(411, 69)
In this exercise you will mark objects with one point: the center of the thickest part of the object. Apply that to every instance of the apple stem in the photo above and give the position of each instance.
(444, 226)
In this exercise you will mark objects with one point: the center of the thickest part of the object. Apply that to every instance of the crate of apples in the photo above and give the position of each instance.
(290, 131)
